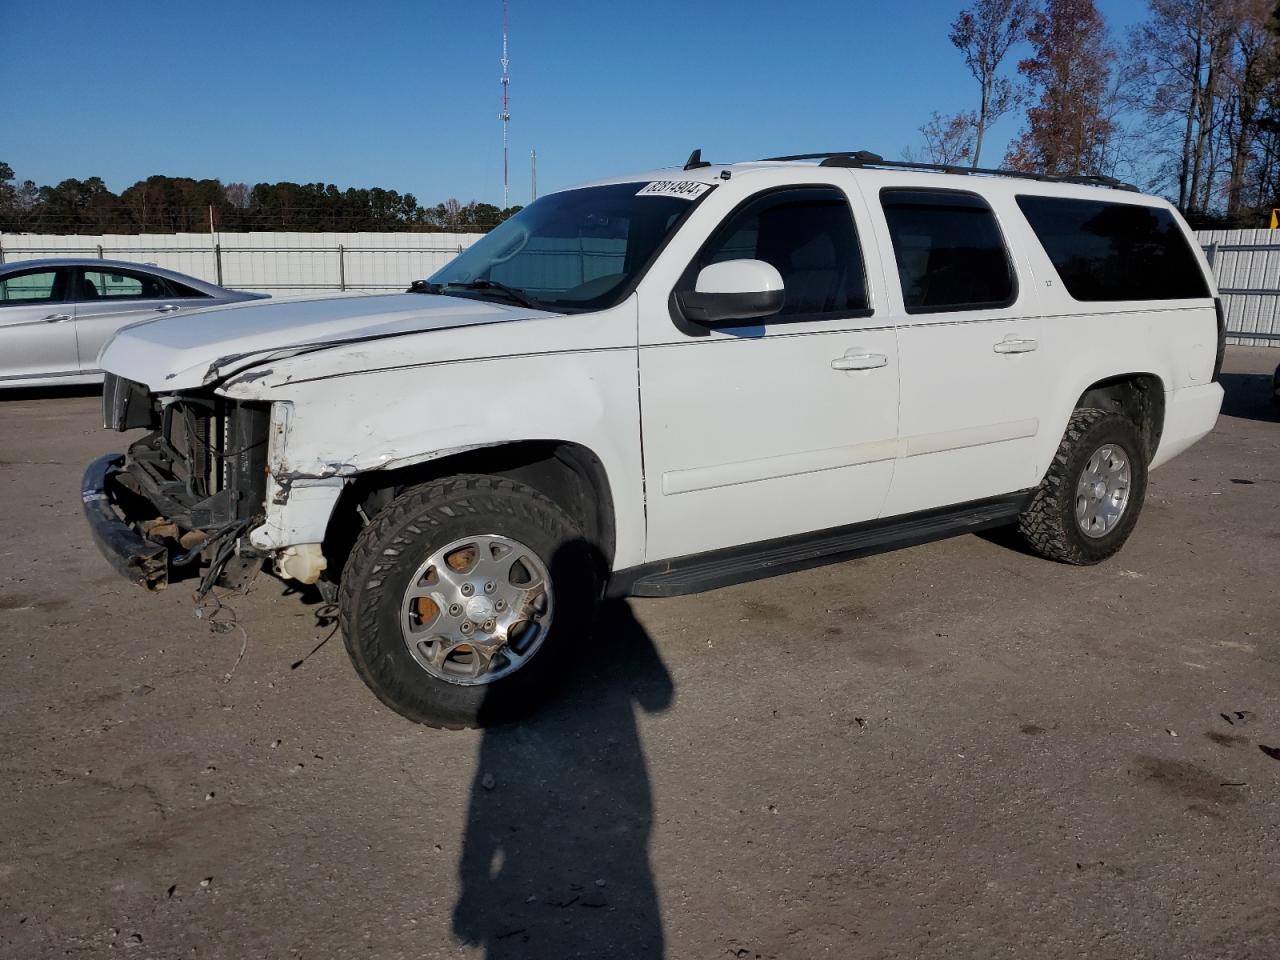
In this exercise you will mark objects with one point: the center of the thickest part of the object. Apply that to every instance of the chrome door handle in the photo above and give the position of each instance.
(859, 361)
(57, 317)
(1014, 345)
(167, 308)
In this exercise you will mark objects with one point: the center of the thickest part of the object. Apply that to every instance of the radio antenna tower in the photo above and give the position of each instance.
(505, 115)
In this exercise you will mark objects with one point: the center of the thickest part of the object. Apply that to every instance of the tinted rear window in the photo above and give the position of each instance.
(950, 253)
(182, 290)
(1115, 251)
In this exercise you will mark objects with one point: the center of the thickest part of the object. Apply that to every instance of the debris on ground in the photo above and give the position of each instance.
(1237, 717)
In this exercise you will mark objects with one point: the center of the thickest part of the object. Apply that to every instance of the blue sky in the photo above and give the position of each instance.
(404, 94)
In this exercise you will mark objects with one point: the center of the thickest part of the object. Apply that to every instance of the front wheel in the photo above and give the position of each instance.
(1088, 503)
(461, 601)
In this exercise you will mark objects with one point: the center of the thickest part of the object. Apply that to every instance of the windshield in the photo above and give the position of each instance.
(571, 251)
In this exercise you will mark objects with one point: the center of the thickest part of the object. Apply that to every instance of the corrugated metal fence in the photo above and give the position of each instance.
(275, 263)
(1245, 262)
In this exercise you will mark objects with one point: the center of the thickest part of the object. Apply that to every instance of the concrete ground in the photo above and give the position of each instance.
(955, 750)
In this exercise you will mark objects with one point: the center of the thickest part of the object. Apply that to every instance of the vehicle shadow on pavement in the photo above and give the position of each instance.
(1248, 397)
(555, 859)
(51, 393)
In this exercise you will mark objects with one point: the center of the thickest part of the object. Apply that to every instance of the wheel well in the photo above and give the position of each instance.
(567, 473)
(1138, 396)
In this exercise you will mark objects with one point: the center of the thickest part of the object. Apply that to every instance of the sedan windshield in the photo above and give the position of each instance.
(570, 251)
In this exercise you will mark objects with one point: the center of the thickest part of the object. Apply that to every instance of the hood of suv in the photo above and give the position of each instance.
(181, 352)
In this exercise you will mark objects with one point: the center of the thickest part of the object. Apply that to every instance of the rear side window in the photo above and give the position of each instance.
(1115, 251)
(183, 291)
(809, 235)
(119, 285)
(950, 252)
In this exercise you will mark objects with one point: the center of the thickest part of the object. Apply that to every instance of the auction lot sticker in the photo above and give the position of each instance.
(686, 189)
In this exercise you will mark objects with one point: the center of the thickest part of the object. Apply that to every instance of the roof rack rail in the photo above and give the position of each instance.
(865, 158)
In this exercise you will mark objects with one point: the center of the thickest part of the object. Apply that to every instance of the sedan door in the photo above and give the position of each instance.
(109, 298)
(37, 329)
(773, 428)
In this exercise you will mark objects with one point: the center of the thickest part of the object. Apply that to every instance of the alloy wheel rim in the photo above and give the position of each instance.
(477, 609)
(1102, 494)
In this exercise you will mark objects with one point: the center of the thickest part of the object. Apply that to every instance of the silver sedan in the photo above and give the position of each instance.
(55, 315)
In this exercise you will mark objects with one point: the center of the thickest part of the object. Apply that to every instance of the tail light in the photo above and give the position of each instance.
(1222, 337)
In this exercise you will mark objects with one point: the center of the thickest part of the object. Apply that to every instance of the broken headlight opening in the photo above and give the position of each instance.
(196, 484)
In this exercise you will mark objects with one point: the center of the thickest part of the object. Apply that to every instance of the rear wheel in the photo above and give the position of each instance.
(1088, 503)
(461, 601)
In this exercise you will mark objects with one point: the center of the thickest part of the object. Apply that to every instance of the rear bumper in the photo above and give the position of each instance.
(135, 558)
(1190, 413)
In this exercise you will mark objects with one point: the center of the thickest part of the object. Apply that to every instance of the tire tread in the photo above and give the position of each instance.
(1041, 524)
(415, 511)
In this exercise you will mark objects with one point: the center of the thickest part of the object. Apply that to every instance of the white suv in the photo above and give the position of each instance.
(662, 384)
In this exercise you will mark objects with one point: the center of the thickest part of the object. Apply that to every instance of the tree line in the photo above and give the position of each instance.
(1186, 103)
(161, 204)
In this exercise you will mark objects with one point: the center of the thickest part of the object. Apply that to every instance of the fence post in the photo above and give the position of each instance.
(100, 256)
(1, 250)
(217, 261)
(342, 269)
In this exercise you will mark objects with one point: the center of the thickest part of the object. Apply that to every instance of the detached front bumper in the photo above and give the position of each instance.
(137, 559)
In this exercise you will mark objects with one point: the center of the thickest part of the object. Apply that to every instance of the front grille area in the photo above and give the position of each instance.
(205, 465)
(191, 428)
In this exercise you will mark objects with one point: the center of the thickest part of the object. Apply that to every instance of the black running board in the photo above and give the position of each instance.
(753, 561)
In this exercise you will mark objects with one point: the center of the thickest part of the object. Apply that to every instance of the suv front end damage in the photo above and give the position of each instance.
(183, 497)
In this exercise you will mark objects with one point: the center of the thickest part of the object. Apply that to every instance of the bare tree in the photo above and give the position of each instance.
(452, 213)
(237, 194)
(948, 140)
(984, 33)
(1252, 74)
(1179, 56)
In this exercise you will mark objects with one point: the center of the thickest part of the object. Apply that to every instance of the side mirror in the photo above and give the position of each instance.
(734, 290)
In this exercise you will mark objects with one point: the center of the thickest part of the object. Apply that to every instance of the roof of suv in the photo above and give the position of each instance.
(951, 176)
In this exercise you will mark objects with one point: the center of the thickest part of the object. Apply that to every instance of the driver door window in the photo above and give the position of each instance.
(808, 235)
(31, 287)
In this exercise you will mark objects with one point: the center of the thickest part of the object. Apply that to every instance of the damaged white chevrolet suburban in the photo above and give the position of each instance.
(662, 384)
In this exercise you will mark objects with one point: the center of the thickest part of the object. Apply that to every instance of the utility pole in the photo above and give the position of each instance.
(533, 166)
(505, 115)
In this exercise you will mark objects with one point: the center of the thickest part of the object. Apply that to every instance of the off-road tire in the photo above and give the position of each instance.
(1049, 525)
(401, 536)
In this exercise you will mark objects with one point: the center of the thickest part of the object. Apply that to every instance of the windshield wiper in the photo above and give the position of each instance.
(513, 293)
(516, 294)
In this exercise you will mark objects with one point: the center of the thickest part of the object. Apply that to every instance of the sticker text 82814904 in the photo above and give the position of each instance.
(685, 189)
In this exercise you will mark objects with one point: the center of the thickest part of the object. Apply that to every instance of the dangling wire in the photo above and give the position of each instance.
(326, 615)
(221, 618)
